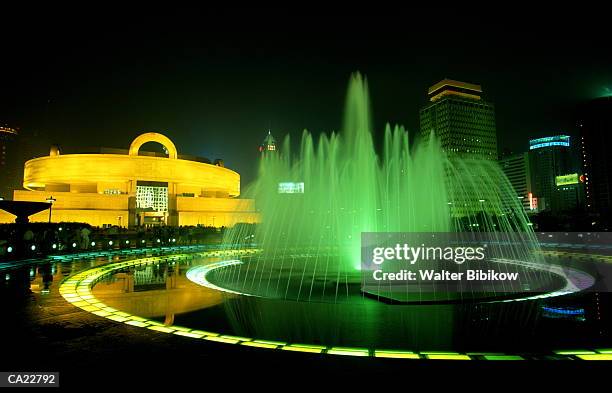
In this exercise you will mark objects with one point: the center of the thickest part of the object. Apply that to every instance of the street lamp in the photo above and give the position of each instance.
(50, 200)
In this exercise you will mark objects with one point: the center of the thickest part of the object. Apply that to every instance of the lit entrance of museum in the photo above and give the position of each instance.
(151, 203)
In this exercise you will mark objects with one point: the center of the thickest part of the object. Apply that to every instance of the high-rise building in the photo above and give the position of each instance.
(549, 157)
(268, 144)
(10, 177)
(518, 171)
(595, 126)
(463, 122)
(570, 191)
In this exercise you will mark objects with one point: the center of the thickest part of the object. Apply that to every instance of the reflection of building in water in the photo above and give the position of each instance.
(572, 313)
(148, 278)
(135, 188)
(152, 277)
(42, 278)
(138, 292)
(178, 296)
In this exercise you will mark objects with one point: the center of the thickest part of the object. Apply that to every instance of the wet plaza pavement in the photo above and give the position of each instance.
(42, 331)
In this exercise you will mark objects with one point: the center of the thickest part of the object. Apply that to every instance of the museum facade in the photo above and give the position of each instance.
(134, 188)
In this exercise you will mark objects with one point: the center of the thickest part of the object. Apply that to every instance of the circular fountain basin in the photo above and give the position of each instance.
(365, 328)
(299, 279)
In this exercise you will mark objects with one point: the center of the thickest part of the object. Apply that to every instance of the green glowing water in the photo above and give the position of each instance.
(350, 189)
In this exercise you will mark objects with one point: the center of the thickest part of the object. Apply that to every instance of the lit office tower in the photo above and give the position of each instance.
(269, 144)
(463, 122)
(570, 191)
(518, 172)
(9, 176)
(549, 157)
(595, 125)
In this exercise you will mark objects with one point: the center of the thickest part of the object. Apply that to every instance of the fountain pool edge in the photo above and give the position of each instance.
(579, 280)
(77, 290)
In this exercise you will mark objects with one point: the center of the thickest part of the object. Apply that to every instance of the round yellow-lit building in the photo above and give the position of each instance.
(133, 188)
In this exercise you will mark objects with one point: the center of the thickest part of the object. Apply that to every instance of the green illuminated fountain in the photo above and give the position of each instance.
(311, 235)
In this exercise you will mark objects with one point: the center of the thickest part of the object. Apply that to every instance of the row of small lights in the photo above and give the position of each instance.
(54, 246)
(77, 290)
(102, 253)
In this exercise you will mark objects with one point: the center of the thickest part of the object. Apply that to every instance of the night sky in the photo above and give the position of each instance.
(214, 82)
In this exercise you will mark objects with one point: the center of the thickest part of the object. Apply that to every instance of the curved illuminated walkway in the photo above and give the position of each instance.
(77, 289)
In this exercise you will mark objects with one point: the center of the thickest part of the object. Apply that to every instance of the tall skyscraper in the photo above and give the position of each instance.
(549, 157)
(269, 144)
(10, 177)
(595, 126)
(518, 171)
(463, 122)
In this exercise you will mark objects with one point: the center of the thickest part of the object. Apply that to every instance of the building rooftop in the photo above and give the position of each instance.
(111, 150)
(549, 141)
(8, 130)
(269, 143)
(452, 87)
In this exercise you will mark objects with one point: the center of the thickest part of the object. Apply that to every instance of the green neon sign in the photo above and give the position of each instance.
(572, 178)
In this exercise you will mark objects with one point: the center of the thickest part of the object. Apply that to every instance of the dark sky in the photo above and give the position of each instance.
(215, 81)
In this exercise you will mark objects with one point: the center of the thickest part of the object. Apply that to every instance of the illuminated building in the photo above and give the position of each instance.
(464, 125)
(269, 144)
(518, 172)
(549, 157)
(291, 188)
(9, 178)
(550, 141)
(135, 188)
(570, 191)
(595, 126)
(463, 122)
